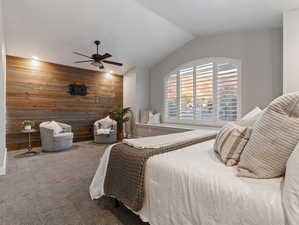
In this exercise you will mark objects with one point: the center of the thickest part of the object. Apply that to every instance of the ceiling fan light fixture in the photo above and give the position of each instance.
(97, 64)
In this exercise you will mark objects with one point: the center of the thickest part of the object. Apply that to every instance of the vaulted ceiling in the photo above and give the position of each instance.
(202, 17)
(52, 29)
(136, 32)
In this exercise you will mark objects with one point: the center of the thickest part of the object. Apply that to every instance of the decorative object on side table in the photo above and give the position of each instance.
(120, 116)
(28, 124)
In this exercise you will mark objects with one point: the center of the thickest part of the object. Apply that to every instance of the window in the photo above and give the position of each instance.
(205, 91)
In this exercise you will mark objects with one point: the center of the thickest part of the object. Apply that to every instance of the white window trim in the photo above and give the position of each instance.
(215, 122)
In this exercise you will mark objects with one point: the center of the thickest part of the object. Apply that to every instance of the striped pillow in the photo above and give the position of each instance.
(273, 139)
(230, 142)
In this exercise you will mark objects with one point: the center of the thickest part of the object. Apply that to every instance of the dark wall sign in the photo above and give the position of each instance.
(76, 89)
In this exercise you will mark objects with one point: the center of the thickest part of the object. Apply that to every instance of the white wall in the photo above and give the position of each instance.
(136, 90)
(291, 51)
(260, 52)
(130, 90)
(142, 90)
(2, 97)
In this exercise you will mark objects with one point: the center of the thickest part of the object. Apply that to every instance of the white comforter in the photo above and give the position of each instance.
(192, 187)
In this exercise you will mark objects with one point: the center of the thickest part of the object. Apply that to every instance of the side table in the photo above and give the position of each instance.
(29, 148)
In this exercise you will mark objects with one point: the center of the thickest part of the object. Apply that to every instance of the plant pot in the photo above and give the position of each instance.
(120, 132)
(120, 136)
(27, 127)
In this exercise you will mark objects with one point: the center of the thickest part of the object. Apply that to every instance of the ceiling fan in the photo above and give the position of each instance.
(97, 59)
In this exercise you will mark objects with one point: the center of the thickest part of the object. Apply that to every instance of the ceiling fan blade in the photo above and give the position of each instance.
(83, 61)
(105, 56)
(78, 53)
(113, 63)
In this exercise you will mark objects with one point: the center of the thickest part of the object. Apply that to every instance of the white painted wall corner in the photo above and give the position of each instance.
(3, 167)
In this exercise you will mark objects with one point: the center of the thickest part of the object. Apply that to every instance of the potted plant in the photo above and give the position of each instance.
(120, 116)
(28, 124)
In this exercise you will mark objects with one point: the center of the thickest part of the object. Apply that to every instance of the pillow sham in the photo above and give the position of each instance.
(273, 139)
(290, 194)
(230, 142)
(250, 118)
(154, 118)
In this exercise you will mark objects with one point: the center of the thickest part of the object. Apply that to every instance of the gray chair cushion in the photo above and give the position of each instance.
(64, 136)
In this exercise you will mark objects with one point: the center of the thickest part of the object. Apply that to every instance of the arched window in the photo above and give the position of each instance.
(206, 91)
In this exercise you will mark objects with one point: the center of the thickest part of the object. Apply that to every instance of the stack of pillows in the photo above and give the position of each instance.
(261, 143)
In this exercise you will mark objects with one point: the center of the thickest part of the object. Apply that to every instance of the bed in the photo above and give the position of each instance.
(191, 186)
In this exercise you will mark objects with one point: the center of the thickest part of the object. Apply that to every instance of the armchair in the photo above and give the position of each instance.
(109, 138)
(52, 141)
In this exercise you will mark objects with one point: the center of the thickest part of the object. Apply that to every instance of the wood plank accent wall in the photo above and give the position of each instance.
(38, 91)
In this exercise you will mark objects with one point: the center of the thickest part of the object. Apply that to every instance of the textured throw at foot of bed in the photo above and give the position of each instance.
(126, 168)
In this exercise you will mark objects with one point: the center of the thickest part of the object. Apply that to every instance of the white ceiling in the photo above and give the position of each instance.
(203, 17)
(136, 32)
(53, 29)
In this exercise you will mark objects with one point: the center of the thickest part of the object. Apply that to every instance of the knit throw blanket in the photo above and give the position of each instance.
(126, 168)
(164, 141)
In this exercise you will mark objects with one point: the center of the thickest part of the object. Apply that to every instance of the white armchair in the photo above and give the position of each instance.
(101, 138)
(53, 141)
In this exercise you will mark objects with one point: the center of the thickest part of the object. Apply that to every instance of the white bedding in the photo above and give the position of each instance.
(192, 187)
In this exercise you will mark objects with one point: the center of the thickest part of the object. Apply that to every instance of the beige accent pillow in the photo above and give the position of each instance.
(250, 118)
(274, 138)
(230, 142)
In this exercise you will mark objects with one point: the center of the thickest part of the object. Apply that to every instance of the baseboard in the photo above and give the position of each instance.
(3, 168)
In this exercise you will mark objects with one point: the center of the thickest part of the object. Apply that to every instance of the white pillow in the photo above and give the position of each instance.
(290, 196)
(106, 123)
(250, 118)
(55, 127)
(153, 118)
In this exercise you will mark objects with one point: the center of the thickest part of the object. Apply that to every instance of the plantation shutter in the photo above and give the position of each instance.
(204, 92)
(171, 97)
(186, 94)
(227, 91)
(208, 90)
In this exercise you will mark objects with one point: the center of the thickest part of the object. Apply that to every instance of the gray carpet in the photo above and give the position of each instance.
(52, 189)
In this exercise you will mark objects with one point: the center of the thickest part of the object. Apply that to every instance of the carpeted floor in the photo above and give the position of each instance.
(52, 189)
